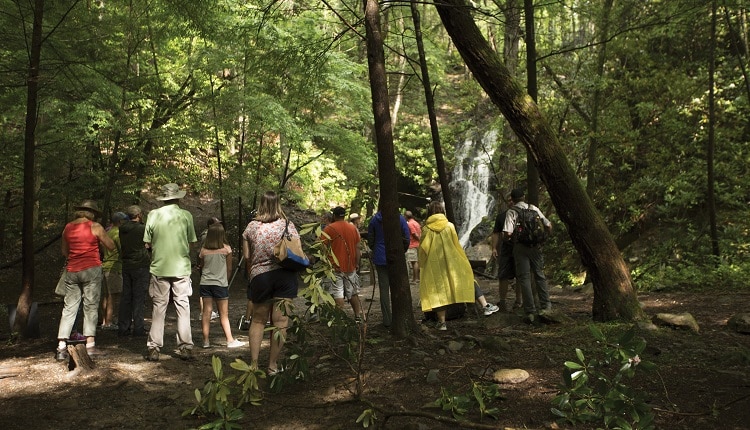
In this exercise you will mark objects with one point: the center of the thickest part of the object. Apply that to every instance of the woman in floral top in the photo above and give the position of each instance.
(270, 288)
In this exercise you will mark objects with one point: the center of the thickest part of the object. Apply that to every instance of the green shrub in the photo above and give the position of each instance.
(594, 389)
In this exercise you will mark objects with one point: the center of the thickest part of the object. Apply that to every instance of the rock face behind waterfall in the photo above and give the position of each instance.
(471, 183)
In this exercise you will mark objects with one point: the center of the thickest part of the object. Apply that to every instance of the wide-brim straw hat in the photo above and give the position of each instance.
(89, 205)
(171, 192)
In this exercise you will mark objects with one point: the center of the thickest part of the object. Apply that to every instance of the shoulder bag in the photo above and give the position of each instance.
(288, 252)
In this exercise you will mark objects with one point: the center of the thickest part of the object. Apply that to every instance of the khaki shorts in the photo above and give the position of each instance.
(411, 255)
(112, 283)
(345, 285)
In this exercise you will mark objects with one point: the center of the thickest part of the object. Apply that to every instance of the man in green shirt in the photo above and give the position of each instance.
(169, 233)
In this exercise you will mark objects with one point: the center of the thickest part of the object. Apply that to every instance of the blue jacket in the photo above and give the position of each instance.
(376, 239)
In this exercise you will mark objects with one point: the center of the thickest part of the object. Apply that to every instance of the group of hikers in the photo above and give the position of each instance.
(154, 257)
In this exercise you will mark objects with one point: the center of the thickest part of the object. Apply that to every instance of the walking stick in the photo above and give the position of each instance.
(235, 271)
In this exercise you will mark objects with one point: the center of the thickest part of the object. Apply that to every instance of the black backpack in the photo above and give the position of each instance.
(529, 229)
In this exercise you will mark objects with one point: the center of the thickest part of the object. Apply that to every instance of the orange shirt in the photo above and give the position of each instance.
(344, 241)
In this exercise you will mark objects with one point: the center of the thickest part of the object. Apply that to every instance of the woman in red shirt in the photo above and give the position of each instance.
(83, 275)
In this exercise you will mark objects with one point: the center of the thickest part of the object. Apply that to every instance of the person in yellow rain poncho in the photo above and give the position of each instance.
(445, 275)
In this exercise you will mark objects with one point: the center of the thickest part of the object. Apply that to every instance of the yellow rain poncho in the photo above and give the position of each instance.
(445, 274)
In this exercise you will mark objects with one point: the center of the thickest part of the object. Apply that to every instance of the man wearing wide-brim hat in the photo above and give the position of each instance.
(169, 233)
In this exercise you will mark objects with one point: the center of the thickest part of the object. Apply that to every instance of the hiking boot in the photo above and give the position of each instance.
(490, 309)
(152, 354)
(185, 353)
(530, 318)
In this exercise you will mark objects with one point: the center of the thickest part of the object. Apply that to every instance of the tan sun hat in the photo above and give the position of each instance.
(89, 205)
(171, 192)
(353, 216)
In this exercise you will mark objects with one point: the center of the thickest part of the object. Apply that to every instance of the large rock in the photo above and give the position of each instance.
(510, 376)
(684, 321)
(740, 323)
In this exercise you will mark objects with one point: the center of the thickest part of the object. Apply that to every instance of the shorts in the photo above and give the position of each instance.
(345, 285)
(506, 266)
(411, 255)
(112, 283)
(276, 284)
(215, 292)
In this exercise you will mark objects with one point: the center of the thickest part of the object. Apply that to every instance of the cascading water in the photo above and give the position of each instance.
(470, 183)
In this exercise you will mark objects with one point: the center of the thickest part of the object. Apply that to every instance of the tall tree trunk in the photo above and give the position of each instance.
(614, 296)
(511, 48)
(403, 316)
(532, 174)
(591, 175)
(29, 154)
(217, 145)
(430, 101)
(712, 137)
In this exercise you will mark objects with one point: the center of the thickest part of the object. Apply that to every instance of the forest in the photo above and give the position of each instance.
(627, 122)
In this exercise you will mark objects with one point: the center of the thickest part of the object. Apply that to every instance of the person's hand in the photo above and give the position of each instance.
(494, 252)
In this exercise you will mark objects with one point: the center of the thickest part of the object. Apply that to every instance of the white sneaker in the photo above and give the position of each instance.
(214, 315)
(490, 309)
(235, 344)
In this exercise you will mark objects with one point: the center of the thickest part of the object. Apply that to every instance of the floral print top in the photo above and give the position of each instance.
(262, 237)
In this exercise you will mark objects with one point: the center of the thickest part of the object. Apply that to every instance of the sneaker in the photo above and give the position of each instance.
(185, 353)
(490, 309)
(235, 344)
(441, 326)
(214, 315)
(206, 345)
(546, 311)
(530, 318)
(272, 372)
(61, 354)
(152, 354)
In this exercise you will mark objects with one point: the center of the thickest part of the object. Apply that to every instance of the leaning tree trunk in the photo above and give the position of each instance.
(29, 196)
(403, 316)
(614, 296)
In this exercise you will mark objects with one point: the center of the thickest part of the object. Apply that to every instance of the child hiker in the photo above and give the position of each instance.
(215, 263)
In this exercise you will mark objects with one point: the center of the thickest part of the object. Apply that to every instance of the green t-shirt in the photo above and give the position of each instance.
(170, 231)
(111, 261)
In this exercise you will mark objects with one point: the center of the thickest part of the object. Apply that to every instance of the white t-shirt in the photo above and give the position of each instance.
(510, 217)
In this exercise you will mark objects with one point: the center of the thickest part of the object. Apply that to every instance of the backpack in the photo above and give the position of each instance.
(529, 229)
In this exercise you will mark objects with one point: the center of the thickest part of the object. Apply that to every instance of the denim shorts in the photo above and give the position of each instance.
(214, 291)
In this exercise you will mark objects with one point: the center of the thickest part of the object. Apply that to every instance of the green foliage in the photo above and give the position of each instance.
(215, 400)
(479, 397)
(367, 418)
(594, 390)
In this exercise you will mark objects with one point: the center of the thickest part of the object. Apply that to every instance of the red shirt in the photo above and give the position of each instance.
(415, 232)
(344, 241)
(83, 246)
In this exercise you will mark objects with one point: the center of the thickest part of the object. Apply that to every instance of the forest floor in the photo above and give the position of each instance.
(702, 381)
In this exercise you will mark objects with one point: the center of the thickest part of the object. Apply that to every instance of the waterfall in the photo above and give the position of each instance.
(470, 183)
